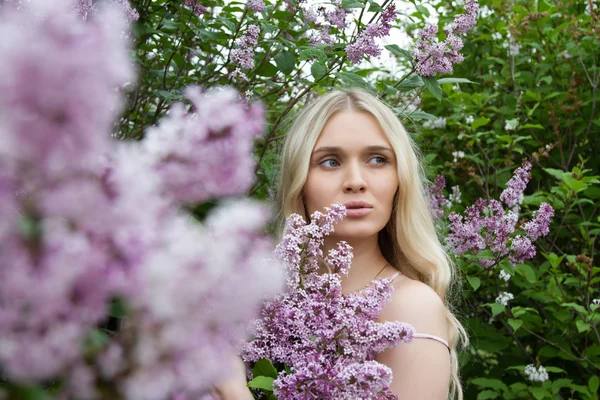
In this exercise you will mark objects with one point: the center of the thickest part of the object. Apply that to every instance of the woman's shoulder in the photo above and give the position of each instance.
(418, 304)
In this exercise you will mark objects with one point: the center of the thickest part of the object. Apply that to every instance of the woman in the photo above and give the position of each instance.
(348, 147)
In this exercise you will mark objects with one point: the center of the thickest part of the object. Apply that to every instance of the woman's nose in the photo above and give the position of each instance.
(354, 179)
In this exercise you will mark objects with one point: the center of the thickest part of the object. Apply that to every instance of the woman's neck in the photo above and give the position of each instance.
(368, 261)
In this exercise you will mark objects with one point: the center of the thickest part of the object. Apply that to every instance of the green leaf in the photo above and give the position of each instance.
(455, 80)
(421, 115)
(479, 122)
(118, 308)
(352, 4)
(582, 326)
(433, 86)
(496, 308)
(534, 126)
(311, 52)
(423, 10)
(318, 70)
(487, 394)
(263, 367)
(538, 392)
(593, 384)
(515, 323)
(527, 272)
(554, 259)
(577, 307)
(474, 281)
(351, 79)
(262, 382)
(286, 62)
(490, 383)
(395, 49)
(413, 81)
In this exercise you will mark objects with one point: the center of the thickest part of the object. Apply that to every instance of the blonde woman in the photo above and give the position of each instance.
(348, 147)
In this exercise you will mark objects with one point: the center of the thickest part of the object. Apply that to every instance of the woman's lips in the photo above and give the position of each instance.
(358, 212)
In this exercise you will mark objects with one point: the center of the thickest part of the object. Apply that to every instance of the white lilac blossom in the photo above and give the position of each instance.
(497, 36)
(505, 275)
(457, 155)
(469, 120)
(511, 125)
(454, 197)
(504, 297)
(431, 56)
(438, 123)
(365, 41)
(58, 95)
(328, 340)
(487, 225)
(536, 375)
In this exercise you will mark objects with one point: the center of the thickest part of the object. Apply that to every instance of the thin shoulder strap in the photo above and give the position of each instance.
(395, 276)
(427, 336)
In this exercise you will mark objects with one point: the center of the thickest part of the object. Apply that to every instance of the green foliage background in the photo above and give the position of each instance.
(547, 92)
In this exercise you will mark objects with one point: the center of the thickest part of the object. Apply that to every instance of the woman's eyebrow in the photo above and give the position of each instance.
(335, 149)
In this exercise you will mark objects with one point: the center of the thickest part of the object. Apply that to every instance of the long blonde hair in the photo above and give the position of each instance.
(413, 245)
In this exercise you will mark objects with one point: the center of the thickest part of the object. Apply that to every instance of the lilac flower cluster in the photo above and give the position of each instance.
(337, 16)
(84, 219)
(432, 57)
(243, 56)
(86, 8)
(204, 154)
(365, 42)
(436, 197)
(256, 5)
(195, 6)
(327, 339)
(486, 225)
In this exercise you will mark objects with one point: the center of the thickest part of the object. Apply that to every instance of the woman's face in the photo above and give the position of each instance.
(353, 161)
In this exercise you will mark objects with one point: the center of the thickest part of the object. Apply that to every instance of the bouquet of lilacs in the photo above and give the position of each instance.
(91, 227)
(325, 340)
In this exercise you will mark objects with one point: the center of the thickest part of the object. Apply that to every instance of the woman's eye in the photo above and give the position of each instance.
(382, 160)
(329, 160)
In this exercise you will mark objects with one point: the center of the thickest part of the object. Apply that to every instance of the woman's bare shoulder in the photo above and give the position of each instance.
(418, 304)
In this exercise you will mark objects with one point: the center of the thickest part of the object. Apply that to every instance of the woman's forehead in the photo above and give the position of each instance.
(352, 129)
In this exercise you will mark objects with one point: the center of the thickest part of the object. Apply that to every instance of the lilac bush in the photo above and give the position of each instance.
(86, 221)
(328, 340)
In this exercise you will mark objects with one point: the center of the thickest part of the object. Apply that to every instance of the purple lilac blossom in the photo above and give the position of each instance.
(539, 226)
(195, 6)
(243, 56)
(516, 185)
(432, 57)
(337, 16)
(84, 219)
(87, 8)
(436, 197)
(206, 154)
(256, 5)
(365, 42)
(327, 339)
(487, 225)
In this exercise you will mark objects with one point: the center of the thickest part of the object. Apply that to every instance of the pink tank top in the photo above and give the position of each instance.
(423, 335)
